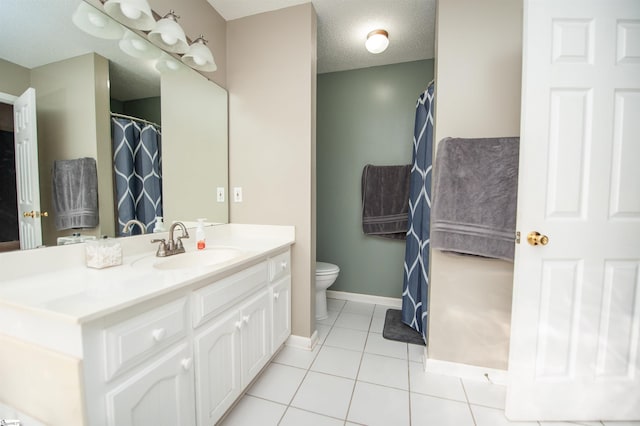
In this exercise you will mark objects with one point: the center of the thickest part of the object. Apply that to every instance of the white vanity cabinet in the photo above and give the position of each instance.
(235, 343)
(139, 367)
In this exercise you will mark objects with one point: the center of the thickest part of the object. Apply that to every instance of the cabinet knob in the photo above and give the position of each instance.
(238, 325)
(276, 295)
(245, 319)
(158, 334)
(186, 363)
(283, 265)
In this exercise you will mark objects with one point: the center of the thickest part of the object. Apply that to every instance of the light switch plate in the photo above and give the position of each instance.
(220, 194)
(237, 194)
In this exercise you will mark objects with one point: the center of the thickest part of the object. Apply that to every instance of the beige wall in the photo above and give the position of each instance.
(271, 80)
(194, 131)
(67, 96)
(478, 73)
(14, 79)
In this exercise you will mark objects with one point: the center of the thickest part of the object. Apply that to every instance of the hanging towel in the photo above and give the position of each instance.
(385, 200)
(75, 193)
(474, 199)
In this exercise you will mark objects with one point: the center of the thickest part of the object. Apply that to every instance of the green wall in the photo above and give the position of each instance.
(364, 116)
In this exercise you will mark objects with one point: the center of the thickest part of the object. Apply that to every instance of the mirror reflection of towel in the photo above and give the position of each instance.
(385, 200)
(75, 193)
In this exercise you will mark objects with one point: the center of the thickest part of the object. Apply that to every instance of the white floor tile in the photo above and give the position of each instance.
(354, 321)
(337, 361)
(278, 383)
(331, 318)
(379, 405)
(385, 371)
(428, 410)
(346, 338)
(252, 411)
(434, 384)
(579, 423)
(381, 310)
(416, 353)
(324, 394)
(377, 324)
(376, 344)
(358, 308)
(323, 332)
(493, 417)
(335, 304)
(484, 393)
(297, 417)
(634, 423)
(297, 357)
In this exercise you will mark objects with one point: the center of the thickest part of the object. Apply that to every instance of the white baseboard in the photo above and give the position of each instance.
(306, 343)
(465, 371)
(365, 298)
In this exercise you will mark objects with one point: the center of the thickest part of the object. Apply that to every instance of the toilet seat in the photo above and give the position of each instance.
(323, 268)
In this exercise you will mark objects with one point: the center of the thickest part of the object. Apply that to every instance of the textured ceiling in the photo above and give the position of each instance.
(344, 24)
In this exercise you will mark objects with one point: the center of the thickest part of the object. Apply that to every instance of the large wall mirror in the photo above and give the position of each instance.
(81, 81)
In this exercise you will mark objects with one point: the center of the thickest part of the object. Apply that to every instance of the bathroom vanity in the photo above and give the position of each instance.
(162, 341)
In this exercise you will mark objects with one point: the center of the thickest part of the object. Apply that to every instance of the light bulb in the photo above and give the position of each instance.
(169, 39)
(97, 20)
(130, 12)
(377, 41)
(138, 44)
(199, 60)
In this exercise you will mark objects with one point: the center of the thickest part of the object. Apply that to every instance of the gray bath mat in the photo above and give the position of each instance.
(395, 329)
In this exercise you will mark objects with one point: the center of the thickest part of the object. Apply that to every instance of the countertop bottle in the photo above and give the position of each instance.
(200, 236)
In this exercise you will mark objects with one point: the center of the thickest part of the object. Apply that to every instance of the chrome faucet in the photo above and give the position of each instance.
(172, 247)
(127, 226)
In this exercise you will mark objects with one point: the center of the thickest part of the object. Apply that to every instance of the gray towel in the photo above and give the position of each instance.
(474, 196)
(75, 193)
(385, 200)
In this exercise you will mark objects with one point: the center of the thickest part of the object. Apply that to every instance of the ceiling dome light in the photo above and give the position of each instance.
(377, 41)
(133, 13)
(169, 35)
(199, 56)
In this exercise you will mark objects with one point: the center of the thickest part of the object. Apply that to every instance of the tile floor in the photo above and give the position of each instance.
(356, 377)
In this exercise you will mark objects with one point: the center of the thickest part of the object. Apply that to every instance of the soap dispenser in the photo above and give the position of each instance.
(159, 225)
(200, 236)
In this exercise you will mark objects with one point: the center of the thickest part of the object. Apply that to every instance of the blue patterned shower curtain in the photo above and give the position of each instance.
(416, 261)
(137, 168)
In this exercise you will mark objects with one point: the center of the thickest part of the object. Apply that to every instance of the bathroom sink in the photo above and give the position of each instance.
(208, 257)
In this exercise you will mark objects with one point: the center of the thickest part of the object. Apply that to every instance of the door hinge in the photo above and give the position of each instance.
(517, 237)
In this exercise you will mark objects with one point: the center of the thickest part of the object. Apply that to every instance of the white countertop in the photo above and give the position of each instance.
(55, 283)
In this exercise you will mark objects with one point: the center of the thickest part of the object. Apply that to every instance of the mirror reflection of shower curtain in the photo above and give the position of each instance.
(137, 167)
(416, 262)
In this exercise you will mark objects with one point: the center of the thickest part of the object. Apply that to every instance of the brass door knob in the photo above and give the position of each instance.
(34, 214)
(535, 238)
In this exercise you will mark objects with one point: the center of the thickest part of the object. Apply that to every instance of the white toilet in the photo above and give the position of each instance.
(326, 274)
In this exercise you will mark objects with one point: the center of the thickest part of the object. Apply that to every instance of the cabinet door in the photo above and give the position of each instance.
(218, 382)
(160, 394)
(256, 335)
(280, 312)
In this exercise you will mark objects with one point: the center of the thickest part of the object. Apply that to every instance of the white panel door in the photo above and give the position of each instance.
(218, 375)
(27, 177)
(280, 312)
(162, 394)
(255, 336)
(576, 301)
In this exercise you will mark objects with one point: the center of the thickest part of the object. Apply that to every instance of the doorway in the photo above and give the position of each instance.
(9, 228)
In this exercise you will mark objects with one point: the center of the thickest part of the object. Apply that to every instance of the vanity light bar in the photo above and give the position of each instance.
(164, 32)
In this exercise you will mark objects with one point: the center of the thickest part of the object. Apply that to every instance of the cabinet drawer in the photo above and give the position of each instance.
(220, 295)
(279, 266)
(142, 335)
